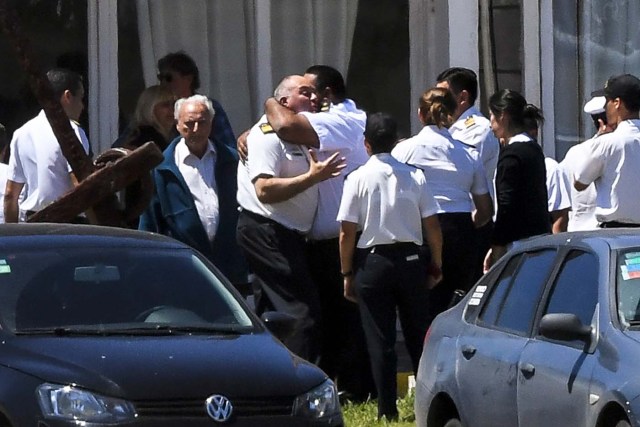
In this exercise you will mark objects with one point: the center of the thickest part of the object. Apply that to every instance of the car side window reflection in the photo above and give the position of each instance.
(575, 290)
(513, 301)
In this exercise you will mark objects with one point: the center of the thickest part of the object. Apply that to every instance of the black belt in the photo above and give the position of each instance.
(257, 218)
(398, 248)
(617, 224)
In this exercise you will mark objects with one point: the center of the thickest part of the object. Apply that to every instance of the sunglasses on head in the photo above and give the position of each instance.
(165, 77)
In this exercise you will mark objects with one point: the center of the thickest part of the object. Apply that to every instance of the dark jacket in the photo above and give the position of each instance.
(521, 192)
(173, 212)
(134, 138)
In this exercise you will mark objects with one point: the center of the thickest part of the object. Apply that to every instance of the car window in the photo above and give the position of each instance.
(628, 287)
(513, 302)
(98, 287)
(575, 289)
(491, 310)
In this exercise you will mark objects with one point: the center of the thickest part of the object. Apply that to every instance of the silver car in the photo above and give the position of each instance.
(548, 337)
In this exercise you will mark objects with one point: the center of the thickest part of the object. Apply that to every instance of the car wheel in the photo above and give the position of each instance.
(454, 422)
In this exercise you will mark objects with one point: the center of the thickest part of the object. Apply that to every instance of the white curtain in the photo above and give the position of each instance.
(593, 40)
(244, 47)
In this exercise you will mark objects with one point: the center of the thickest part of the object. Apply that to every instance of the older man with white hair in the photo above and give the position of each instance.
(194, 198)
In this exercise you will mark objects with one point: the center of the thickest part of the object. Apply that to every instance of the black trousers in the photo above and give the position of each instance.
(276, 255)
(390, 277)
(458, 259)
(344, 355)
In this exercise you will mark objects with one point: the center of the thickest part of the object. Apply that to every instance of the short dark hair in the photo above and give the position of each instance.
(327, 76)
(183, 64)
(460, 79)
(381, 131)
(62, 79)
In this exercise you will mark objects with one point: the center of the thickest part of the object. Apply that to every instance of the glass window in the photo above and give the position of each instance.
(113, 289)
(576, 287)
(521, 302)
(57, 35)
(592, 40)
(492, 308)
(514, 299)
(628, 287)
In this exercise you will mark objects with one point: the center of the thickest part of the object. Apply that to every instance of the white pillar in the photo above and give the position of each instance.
(103, 73)
(547, 71)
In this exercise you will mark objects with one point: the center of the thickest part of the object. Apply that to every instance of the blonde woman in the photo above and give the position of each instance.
(153, 119)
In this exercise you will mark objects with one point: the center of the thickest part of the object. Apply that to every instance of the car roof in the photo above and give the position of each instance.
(615, 238)
(45, 234)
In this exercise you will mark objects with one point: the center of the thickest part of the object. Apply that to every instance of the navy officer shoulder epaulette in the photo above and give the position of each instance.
(266, 128)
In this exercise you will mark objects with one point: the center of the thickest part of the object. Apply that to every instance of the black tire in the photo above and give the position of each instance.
(453, 422)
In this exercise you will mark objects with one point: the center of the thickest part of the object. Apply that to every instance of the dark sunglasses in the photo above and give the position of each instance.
(165, 77)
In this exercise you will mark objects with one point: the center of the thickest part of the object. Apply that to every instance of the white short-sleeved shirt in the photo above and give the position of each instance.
(273, 157)
(199, 174)
(339, 129)
(388, 200)
(612, 164)
(37, 161)
(453, 170)
(474, 129)
(558, 186)
(583, 203)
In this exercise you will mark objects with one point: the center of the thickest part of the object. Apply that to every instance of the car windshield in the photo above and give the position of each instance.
(628, 287)
(128, 290)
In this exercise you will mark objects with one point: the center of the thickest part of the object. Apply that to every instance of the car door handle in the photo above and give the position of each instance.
(468, 351)
(527, 370)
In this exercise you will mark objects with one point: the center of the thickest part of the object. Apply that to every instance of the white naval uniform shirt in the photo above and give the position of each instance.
(558, 186)
(452, 169)
(274, 157)
(583, 203)
(37, 161)
(474, 129)
(612, 164)
(388, 200)
(339, 129)
(199, 174)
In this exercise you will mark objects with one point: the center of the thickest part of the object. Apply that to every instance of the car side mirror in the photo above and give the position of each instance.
(281, 325)
(564, 327)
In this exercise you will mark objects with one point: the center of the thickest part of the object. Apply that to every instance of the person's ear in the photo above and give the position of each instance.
(463, 96)
(65, 98)
(367, 146)
(283, 100)
(421, 116)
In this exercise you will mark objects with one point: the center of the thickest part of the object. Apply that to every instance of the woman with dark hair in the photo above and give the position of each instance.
(521, 190)
(457, 179)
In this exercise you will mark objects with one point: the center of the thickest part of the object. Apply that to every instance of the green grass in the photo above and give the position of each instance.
(365, 414)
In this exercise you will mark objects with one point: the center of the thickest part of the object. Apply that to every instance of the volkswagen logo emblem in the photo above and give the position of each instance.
(219, 408)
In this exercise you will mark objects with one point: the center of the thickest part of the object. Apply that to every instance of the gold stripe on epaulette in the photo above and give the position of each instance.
(266, 128)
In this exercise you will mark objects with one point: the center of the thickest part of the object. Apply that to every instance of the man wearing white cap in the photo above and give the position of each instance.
(583, 203)
(612, 162)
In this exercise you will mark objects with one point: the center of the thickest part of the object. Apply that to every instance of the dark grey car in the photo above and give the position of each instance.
(548, 337)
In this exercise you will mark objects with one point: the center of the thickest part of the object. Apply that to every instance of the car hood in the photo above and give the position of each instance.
(168, 367)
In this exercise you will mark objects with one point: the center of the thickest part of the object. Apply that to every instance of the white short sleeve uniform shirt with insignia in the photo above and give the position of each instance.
(388, 200)
(272, 157)
(612, 164)
(340, 129)
(474, 129)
